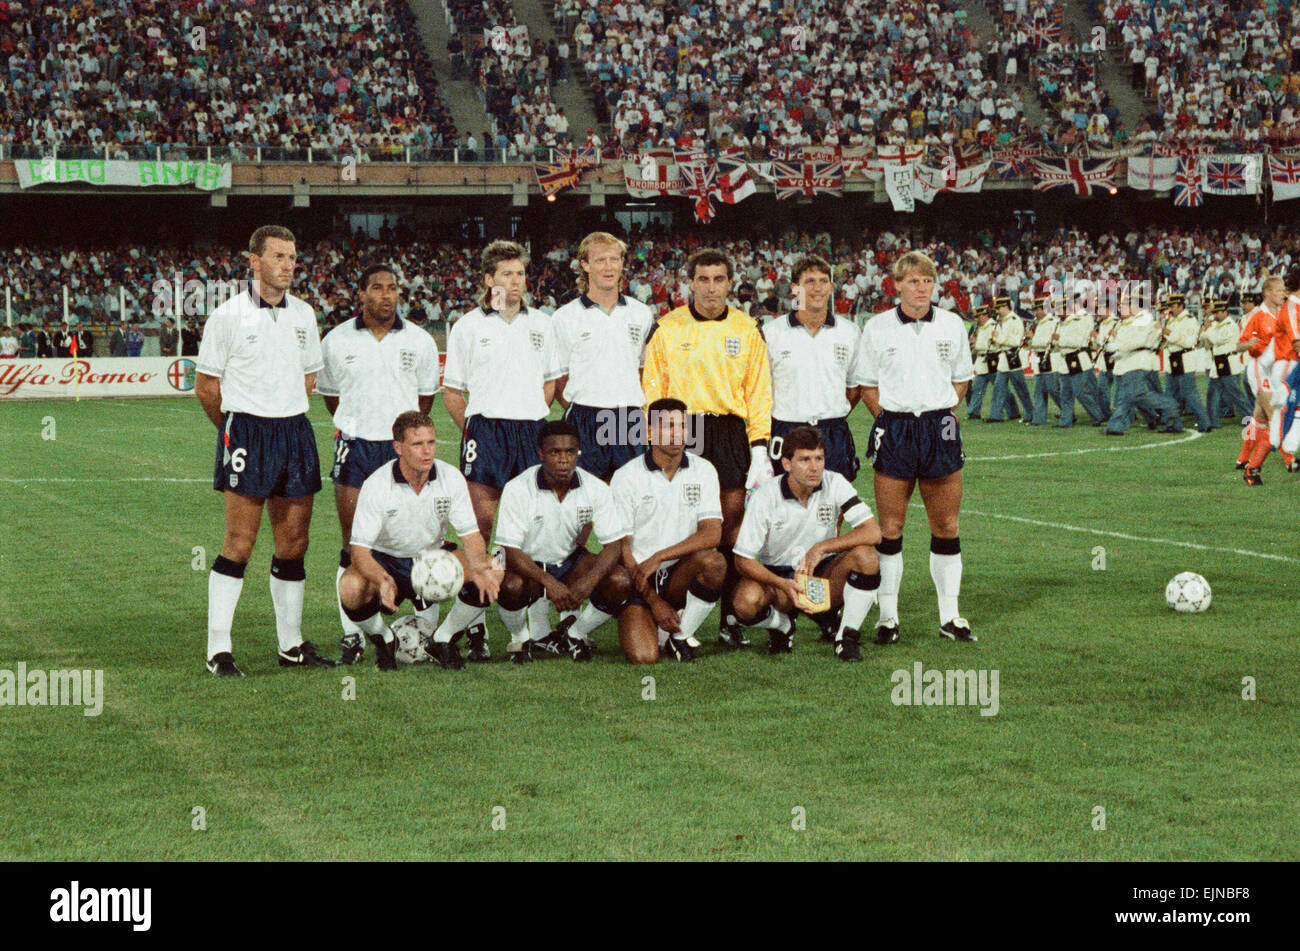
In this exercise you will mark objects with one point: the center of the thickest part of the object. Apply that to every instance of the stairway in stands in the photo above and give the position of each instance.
(574, 94)
(462, 97)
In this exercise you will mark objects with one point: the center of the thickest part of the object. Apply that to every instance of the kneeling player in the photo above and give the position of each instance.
(670, 503)
(402, 508)
(543, 513)
(792, 525)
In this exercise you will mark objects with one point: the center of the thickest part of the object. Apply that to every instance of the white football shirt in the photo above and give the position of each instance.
(392, 518)
(503, 365)
(914, 363)
(261, 354)
(375, 380)
(779, 530)
(533, 519)
(601, 353)
(810, 373)
(658, 513)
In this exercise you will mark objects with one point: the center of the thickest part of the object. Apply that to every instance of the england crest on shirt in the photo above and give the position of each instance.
(841, 353)
(584, 514)
(301, 334)
(945, 349)
(825, 513)
(441, 506)
(538, 339)
(733, 346)
(406, 359)
(691, 493)
(634, 334)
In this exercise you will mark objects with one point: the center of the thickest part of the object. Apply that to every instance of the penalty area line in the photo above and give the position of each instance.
(1079, 452)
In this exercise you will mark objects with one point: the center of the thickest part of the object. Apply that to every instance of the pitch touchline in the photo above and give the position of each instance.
(1078, 452)
(1131, 538)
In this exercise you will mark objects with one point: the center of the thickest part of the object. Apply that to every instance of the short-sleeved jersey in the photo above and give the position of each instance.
(261, 354)
(778, 529)
(658, 513)
(713, 366)
(1286, 329)
(602, 353)
(375, 380)
(1259, 331)
(503, 364)
(392, 518)
(914, 363)
(532, 518)
(810, 372)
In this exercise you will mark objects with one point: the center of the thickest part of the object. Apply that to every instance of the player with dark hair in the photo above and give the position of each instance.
(502, 352)
(914, 367)
(404, 507)
(792, 525)
(670, 507)
(711, 356)
(257, 364)
(544, 513)
(375, 367)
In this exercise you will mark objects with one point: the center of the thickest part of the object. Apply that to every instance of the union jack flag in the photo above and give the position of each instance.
(554, 178)
(1044, 34)
(1083, 175)
(1014, 163)
(808, 178)
(1284, 177)
(1187, 185)
(1223, 178)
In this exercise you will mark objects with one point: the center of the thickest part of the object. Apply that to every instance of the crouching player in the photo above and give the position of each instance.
(792, 525)
(404, 507)
(543, 513)
(669, 502)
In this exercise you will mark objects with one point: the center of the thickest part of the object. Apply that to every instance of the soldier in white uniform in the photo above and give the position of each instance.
(257, 364)
(985, 366)
(375, 368)
(1009, 386)
(1073, 365)
(1046, 382)
(1224, 396)
(1183, 361)
(1136, 338)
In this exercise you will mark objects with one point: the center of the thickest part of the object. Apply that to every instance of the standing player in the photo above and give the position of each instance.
(791, 525)
(545, 513)
(1256, 340)
(256, 365)
(600, 348)
(404, 507)
(712, 357)
(503, 353)
(669, 501)
(1286, 338)
(376, 367)
(811, 354)
(914, 367)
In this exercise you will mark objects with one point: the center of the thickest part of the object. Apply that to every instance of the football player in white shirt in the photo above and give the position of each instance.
(404, 507)
(503, 353)
(600, 345)
(545, 514)
(811, 353)
(670, 502)
(914, 367)
(256, 365)
(792, 525)
(376, 367)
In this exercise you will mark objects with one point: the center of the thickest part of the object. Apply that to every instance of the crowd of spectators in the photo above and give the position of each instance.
(439, 280)
(286, 74)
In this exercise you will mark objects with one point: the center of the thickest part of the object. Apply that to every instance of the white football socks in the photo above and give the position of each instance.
(460, 617)
(516, 623)
(590, 618)
(539, 619)
(287, 597)
(859, 595)
(694, 614)
(891, 579)
(223, 596)
(350, 627)
(945, 570)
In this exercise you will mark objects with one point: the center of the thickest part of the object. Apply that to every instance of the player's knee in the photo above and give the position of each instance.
(713, 568)
(513, 596)
(748, 601)
(354, 588)
(863, 558)
(618, 585)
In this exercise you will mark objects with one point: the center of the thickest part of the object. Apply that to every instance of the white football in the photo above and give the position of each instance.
(412, 634)
(437, 575)
(1188, 593)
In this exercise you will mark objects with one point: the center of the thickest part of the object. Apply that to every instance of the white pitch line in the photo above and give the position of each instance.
(105, 479)
(1132, 538)
(1078, 452)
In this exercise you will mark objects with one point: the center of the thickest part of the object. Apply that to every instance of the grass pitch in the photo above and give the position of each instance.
(1107, 698)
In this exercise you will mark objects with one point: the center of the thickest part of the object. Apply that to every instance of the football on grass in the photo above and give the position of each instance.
(412, 634)
(436, 575)
(1188, 593)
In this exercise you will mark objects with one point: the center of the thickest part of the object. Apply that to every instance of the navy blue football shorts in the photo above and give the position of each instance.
(494, 451)
(907, 446)
(355, 460)
(841, 450)
(608, 438)
(262, 456)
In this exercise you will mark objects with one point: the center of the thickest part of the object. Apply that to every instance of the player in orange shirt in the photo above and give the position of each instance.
(1258, 338)
(1286, 334)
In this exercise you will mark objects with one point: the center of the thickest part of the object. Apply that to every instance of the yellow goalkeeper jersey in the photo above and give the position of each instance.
(713, 366)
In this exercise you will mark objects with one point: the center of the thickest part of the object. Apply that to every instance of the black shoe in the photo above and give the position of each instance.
(1293, 466)
(385, 652)
(887, 633)
(732, 634)
(678, 649)
(353, 649)
(829, 624)
(781, 642)
(846, 648)
(478, 645)
(581, 649)
(304, 655)
(1240, 464)
(446, 655)
(521, 656)
(1252, 477)
(556, 642)
(958, 629)
(223, 665)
